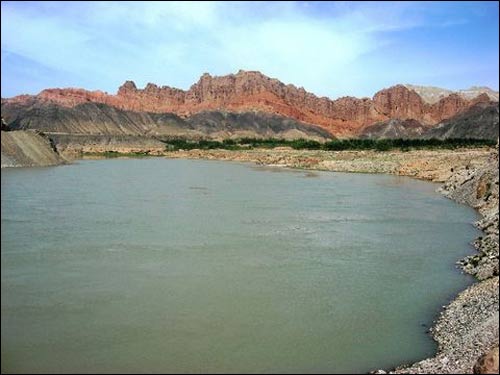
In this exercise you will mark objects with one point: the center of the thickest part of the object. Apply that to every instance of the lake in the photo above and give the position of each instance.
(188, 266)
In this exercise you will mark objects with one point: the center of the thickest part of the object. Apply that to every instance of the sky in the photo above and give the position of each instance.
(331, 49)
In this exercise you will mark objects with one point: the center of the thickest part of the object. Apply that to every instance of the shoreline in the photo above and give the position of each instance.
(467, 326)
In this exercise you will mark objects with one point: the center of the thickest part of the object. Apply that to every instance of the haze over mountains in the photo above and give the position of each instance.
(248, 104)
(432, 94)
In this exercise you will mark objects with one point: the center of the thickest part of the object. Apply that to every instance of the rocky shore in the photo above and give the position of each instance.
(433, 165)
(467, 330)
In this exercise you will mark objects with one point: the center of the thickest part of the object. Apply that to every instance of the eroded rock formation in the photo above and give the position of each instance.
(253, 91)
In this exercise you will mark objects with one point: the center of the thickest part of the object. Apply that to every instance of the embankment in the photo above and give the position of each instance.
(28, 149)
(73, 145)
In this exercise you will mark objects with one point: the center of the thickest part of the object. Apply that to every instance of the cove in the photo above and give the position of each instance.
(157, 265)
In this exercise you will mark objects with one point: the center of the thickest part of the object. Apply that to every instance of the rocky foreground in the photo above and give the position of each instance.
(467, 329)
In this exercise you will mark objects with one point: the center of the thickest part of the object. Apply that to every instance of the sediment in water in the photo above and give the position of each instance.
(467, 328)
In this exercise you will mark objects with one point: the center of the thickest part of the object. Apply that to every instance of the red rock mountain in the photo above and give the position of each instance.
(253, 91)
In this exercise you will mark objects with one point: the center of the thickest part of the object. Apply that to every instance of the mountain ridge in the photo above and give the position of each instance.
(252, 91)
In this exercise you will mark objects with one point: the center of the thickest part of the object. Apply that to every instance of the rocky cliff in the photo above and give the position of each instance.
(479, 121)
(27, 149)
(101, 119)
(250, 91)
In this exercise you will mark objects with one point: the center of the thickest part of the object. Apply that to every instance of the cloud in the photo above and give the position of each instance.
(312, 44)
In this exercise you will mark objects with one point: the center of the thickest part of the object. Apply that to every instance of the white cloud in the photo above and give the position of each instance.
(308, 44)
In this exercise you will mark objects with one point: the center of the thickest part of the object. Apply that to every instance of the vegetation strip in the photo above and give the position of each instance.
(335, 145)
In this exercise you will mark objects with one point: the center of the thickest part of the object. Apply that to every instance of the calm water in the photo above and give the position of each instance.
(156, 265)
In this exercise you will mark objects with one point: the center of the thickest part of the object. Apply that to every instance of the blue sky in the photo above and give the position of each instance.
(329, 48)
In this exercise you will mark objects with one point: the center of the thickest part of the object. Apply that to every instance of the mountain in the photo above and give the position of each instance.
(432, 94)
(221, 125)
(394, 128)
(479, 121)
(101, 119)
(243, 92)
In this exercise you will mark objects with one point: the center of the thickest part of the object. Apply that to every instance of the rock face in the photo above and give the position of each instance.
(394, 128)
(488, 363)
(221, 125)
(27, 149)
(399, 102)
(479, 121)
(102, 119)
(252, 91)
(449, 106)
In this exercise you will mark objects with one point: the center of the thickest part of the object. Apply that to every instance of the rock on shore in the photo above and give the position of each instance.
(466, 329)
(479, 189)
(488, 363)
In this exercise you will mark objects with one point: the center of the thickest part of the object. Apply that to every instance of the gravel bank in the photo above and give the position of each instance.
(468, 327)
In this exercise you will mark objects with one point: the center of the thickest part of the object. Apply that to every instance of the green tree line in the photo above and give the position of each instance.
(335, 145)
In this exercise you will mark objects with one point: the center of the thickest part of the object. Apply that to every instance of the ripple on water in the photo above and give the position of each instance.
(160, 265)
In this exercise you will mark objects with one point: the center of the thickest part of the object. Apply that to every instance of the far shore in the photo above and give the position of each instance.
(433, 165)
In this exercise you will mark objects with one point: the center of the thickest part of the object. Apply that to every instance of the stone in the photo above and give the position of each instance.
(488, 363)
